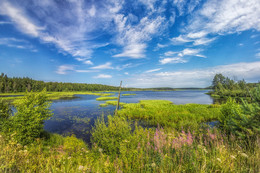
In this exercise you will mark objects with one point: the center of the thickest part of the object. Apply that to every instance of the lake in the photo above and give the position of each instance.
(77, 116)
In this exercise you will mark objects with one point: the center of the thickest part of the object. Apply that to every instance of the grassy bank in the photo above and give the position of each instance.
(139, 151)
(106, 98)
(53, 95)
(165, 113)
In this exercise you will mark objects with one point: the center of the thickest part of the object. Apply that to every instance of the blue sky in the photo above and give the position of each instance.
(144, 43)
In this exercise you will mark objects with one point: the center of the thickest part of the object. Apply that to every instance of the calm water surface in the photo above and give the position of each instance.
(77, 116)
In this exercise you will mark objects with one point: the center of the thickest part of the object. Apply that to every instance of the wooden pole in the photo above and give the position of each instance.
(118, 99)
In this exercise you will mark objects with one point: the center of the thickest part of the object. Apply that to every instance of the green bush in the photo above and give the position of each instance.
(27, 123)
(5, 112)
(241, 120)
(74, 145)
(108, 135)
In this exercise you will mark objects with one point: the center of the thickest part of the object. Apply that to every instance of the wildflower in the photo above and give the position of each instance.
(212, 136)
(148, 144)
(100, 150)
(189, 139)
(81, 167)
(138, 147)
(244, 155)
(204, 149)
(153, 164)
(233, 157)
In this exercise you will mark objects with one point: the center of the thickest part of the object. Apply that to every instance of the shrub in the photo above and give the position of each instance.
(74, 145)
(241, 120)
(27, 123)
(5, 112)
(108, 135)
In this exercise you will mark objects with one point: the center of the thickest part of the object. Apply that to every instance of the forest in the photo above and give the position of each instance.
(17, 84)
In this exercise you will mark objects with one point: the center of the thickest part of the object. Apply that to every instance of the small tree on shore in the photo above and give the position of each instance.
(27, 123)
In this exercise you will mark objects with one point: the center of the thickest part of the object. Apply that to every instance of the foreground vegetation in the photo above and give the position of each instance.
(177, 140)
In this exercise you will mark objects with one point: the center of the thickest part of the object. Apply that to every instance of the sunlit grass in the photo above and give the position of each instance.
(106, 98)
(166, 114)
(113, 103)
(128, 94)
(54, 95)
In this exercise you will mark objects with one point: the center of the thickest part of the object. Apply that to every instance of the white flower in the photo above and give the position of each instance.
(244, 155)
(81, 167)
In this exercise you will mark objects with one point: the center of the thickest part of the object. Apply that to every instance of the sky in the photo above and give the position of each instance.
(144, 43)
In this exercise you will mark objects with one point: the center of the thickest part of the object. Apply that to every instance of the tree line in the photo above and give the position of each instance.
(226, 87)
(18, 84)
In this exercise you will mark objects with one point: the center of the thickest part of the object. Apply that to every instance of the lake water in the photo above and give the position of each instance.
(77, 116)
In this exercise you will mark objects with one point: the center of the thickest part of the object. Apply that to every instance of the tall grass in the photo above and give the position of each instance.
(143, 150)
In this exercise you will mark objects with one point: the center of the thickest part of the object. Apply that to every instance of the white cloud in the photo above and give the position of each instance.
(196, 78)
(170, 53)
(181, 39)
(134, 36)
(153, 70)
(126, 73)
(135, 51)
(5, 22)
(85, 71)
(188, 51)
(179, 57)
(218, 17)
(103, 66)
(69, 28)
(63, 69)
(92, 11)
(224, 17)
(103, 76)
(195, 38)
(174, 60)
(203, 41)
(17, 16)
(180, 4)
(257, 55)
(17, 43)
(88, 62)
(161, 45)
(197, 34)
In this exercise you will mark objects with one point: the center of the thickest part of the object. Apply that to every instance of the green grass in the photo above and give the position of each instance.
(166, 114)
(106, 98)
(55, 95)
(114, 103)
(128, 94)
